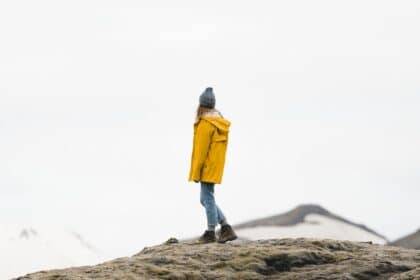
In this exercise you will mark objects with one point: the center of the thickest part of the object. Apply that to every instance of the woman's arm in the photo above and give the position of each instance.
(201, 146)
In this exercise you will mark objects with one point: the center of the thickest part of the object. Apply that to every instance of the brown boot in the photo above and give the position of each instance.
(207, 237)
(226, 234)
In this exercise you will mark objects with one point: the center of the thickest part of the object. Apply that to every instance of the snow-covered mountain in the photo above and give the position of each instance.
(311, 221)
(28, 249)
(411, 241)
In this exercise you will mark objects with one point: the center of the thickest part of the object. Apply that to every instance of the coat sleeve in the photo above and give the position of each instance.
(201, 144)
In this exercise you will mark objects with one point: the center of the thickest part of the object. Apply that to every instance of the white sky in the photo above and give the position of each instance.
(97, 101)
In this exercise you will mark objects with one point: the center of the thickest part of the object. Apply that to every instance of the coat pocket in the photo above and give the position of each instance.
(220, 138)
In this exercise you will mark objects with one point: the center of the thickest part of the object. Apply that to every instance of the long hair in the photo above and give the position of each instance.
(201, 110)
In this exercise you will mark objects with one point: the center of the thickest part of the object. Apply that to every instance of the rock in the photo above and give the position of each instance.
(171, 240)
(411, 241)
(262, 259)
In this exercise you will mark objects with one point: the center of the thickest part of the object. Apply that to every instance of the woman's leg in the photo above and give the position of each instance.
(220, 216)
(213, 212)
(208, 202)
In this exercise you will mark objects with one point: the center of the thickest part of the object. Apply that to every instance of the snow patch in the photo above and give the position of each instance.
(29, 249)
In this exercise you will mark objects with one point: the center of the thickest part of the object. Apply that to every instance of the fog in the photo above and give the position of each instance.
(97, 102)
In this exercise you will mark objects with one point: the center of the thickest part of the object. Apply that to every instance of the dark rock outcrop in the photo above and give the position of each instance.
(411, 241)
(263, 259)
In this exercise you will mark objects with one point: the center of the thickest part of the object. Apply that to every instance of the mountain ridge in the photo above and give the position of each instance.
(297, 215)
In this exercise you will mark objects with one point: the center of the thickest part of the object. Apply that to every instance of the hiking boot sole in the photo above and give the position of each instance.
(229, 239)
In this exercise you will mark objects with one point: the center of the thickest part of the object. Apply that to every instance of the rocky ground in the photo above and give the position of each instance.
(263, 259)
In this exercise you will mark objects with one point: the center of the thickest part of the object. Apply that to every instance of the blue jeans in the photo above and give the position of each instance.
(213, 212)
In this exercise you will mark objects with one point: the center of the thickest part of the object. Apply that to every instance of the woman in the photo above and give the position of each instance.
(210, 141)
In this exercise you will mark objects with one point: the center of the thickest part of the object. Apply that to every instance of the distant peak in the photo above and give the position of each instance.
(292, 217)
(298, 215)
(311, 209)
(26, 233)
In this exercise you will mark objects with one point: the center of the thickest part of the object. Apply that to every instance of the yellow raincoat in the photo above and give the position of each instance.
(209, 149)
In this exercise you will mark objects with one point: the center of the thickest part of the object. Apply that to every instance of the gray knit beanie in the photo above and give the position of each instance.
(207, 98)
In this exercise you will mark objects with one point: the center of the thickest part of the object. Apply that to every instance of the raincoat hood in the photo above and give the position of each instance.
(216, 119)
(220, 123)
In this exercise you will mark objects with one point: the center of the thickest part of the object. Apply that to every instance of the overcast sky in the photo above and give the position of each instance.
(97, 101)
